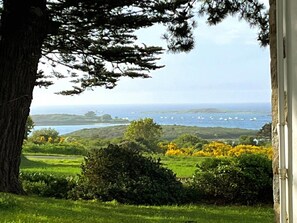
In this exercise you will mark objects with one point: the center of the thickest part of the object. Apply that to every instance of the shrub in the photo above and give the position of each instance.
(220, 149)
(123, 174)
(256, 184)
(246, 179)
(44, 135)
(146, 132)
(46, 185)
(66, 148)
(189, 141)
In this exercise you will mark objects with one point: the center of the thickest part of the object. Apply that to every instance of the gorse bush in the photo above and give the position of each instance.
(220, 149)
(216, 149)
(246, 179)
(123, 174)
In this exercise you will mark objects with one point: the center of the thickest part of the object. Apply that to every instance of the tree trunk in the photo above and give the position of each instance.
(22, 32)
(274, 102)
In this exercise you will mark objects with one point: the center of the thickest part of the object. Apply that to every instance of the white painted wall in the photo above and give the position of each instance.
(291, 53)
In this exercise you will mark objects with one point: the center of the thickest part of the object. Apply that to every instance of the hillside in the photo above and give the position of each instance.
(170, 132)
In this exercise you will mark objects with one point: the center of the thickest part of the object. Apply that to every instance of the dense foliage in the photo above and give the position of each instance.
(66, 148)
(189, 140)
(46, 185)
(144, 131)
(49, 141)
(45, 135)
(123, 174)
(246, 179)
(265, 132)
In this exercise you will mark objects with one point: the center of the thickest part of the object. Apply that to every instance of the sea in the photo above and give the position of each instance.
(239, 115)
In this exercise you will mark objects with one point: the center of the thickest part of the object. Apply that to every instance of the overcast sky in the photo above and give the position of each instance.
(226, 66)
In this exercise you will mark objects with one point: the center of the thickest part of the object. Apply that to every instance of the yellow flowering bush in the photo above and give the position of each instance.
(172, 146)
(217, 149)
(41, 139)
(61, 139)
(202, 153)
(172, 150)
(250, 149)
(50, 140)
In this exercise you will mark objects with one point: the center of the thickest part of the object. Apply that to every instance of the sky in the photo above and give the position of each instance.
(226, 66)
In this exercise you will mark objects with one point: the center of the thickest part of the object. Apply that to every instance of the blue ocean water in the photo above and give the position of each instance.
(247, 116)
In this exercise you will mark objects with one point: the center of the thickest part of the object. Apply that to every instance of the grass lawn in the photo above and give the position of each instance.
(70, 165)
(30, 209)
(182, 166)
(56, 165)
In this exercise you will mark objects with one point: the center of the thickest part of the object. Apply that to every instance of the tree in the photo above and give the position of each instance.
(144, 131)
(106, 117)
(91, 114)
(29, 127)
(188, 140)
(265, 132)
(46, 134)
(247, 140)
(94, 40)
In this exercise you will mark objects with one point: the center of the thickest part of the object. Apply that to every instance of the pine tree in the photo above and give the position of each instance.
(93, 39)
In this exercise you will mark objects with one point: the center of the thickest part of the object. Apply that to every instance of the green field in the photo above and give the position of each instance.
(57, 165)
(183, 167)
(30, 209)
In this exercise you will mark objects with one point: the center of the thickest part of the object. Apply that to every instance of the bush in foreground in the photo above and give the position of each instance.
(246, 179)
(46, 185)
(123, 174)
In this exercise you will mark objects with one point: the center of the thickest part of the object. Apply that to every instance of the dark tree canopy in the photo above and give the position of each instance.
(95, 40)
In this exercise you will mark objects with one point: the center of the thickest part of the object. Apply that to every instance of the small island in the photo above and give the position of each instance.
(68, 119)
